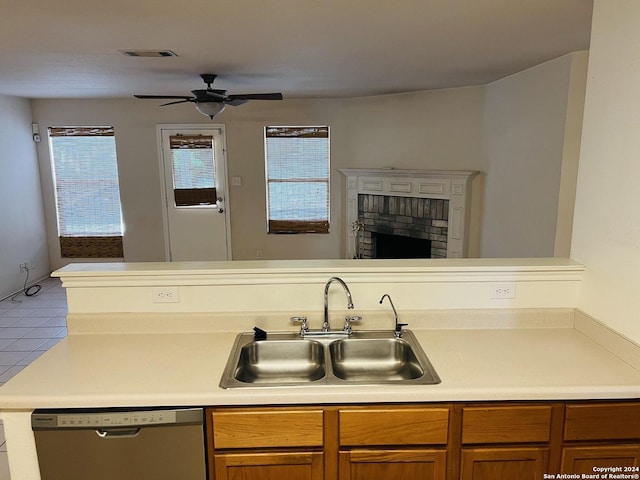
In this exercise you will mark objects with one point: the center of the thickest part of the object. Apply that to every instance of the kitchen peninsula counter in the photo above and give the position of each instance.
(127, 346)
(128, 370)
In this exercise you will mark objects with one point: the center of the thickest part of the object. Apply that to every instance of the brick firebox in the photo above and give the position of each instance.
(422, 218)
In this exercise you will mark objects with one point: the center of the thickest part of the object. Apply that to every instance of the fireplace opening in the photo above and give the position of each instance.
(400, 246)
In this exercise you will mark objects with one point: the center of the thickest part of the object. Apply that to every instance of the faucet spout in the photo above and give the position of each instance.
(398, 326)
(325, 324)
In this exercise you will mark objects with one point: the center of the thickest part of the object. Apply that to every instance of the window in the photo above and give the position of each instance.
(193, 170)
(87, 191)
(297, 171)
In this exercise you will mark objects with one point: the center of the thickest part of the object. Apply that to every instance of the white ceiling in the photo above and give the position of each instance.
(302, 48)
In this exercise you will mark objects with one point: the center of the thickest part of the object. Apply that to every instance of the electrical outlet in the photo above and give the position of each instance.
(165, 295)
(24, 266)
(259, 254)
(503, 290)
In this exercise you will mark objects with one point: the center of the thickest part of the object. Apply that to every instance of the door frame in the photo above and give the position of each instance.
(220, 174)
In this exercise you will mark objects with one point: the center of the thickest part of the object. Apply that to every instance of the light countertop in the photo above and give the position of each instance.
(185, 369)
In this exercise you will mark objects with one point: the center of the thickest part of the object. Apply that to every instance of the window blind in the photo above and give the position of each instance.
(193, 170)
(87, 191)
(297, 171)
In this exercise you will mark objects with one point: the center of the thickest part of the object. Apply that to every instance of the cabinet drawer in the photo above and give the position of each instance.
(508, 424)
(611, 421)
(410, 426)
(267, 428)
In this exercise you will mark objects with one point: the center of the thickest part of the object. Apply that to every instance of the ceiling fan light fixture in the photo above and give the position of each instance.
(210, 109)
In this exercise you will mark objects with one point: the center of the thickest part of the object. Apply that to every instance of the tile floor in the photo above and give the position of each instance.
(29, 326)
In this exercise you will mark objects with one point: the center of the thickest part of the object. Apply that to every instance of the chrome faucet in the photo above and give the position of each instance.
(398, 326)
(325, 324)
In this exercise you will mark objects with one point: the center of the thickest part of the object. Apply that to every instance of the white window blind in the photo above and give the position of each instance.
(87, 190)
(297, 171)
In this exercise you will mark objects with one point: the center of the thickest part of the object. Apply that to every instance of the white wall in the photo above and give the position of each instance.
(606, 234)
(411, 131)
(22, 229)
(529, 131)
(441, 129)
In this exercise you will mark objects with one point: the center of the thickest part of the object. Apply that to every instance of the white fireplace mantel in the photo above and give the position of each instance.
(452, 185)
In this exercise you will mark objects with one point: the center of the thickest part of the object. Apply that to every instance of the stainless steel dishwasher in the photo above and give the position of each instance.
(159, 444)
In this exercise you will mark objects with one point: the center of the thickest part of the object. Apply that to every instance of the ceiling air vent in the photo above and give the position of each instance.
(149, 53)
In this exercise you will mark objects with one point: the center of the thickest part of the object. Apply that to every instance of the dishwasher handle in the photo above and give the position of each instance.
(117, 432)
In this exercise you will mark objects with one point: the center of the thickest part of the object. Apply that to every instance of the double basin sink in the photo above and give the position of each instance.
(364, 357)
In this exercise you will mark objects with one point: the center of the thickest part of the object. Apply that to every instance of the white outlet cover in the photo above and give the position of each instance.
(503, 290)
(165, 295)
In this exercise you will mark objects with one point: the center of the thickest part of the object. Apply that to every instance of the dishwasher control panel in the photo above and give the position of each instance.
(102, 419)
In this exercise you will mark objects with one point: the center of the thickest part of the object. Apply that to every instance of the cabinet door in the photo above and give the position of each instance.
(393, 464)
(269, 466)
(504, 463)
(584, 459)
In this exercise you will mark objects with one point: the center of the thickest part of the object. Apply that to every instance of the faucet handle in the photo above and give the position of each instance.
(398, 331)
(304, 328)
(348, 320)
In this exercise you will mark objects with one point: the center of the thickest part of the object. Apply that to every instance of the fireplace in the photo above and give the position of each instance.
(402, 227)
(428, 205)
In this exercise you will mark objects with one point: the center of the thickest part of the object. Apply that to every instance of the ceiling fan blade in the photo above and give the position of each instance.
(256, 96)
(167, 97)
(234, 102)
(215, 95)
(178, 101)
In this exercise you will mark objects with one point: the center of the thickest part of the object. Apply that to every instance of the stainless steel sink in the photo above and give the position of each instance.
(286, 359)
(280, 361)
(374, 359)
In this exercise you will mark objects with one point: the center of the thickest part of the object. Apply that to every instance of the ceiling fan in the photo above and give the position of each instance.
(210, 101)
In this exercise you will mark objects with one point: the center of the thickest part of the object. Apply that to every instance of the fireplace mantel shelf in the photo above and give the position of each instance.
(413, 173)
(451, 185)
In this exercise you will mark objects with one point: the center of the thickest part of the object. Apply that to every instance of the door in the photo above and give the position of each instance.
(194, 182)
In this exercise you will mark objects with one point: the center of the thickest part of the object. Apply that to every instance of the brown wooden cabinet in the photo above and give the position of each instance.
(514, 438)
(392, 443)
(498, 424)
(583, 460)
(393, 464)
(269, 466)
(598, 435)
(266, 443)
(500, 463)
(439, 441)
